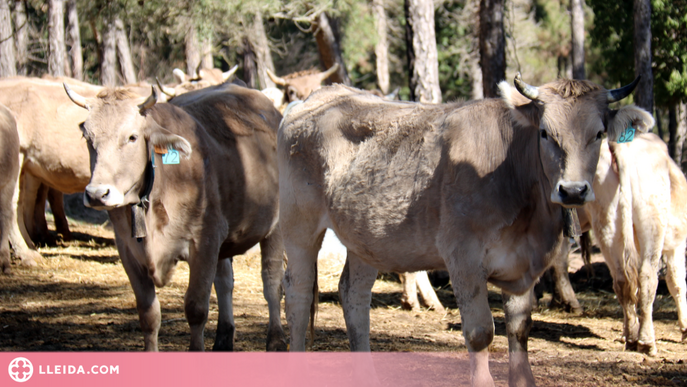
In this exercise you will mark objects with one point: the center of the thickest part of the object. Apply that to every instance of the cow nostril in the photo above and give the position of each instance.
(104, 195)
(583, 190)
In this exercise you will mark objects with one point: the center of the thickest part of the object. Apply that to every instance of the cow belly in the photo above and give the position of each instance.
(398, 251)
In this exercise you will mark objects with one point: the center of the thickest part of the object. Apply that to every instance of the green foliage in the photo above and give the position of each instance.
(455, 47)
(612, 34)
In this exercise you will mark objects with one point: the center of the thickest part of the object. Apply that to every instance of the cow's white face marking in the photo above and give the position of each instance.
(102, 197)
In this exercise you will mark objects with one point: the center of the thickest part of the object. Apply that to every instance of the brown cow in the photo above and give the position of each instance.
(218, 201)
(9, 166)
(478, 187)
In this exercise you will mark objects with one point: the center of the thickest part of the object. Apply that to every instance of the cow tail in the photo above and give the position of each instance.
(630, 260)
(313, 307)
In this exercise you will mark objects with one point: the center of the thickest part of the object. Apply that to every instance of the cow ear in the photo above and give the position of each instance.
(523, 110)
(627, 116)
(160, 137)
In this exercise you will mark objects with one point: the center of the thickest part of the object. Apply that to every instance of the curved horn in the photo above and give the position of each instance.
(278, 80)
(150, 102)
(167, 90)
(180, 75)
(528, 91)
(616, 95)
(328, 73)
(76, 98)
(226, 75)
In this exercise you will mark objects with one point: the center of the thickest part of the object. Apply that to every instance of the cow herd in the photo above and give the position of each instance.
(487, 189)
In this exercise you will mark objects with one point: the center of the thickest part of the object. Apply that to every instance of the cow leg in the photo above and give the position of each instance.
(300, 281)
(56, 200)
(21, 243)
(147, 304)
(623, 292)
(272, 250)
(563, 286)
(470, 289)
(409, 300)
(518, 310)
(675, 279)
(6, 195)
(197, 299)
(648, 283)
(41, 234)
(355, 290)
(224, 286)
(30, 195)
(427, 293)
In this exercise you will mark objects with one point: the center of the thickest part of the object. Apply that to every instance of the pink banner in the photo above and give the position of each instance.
(242, 369)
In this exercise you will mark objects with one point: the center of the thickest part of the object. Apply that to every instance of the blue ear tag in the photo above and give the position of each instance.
(171, 157)
(627, 136)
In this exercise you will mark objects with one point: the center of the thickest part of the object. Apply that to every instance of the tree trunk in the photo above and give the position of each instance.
(677, 128)
(8, 65)
(659, 124)
(644, 94)
(108, 66)
(577, 33)
(74, 40)
(126, 63)
(492, 46)
(329, 49)
(206, 61)
(382, 47)
(424, 73)
(56, 55)
(192, 51)
(249, 70)
(263, 55)
(21, 37)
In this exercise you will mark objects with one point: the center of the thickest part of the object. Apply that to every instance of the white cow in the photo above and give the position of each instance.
(640, 213)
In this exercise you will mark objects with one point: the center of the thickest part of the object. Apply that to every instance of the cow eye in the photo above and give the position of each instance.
(543, 134)
(598, 135)
(133, 138)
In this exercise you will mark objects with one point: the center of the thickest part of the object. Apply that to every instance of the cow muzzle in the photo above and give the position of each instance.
(572, 193)
(102, 197)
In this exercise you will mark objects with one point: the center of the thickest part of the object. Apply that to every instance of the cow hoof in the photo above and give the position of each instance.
(31, 258)
(276, 340)
(6, 268)
(277, 345)
(647, 348)
(224, 340)
(577, 310)
(629, 345)
(684, 336)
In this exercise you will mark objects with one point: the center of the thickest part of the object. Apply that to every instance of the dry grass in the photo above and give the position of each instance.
(79, 299)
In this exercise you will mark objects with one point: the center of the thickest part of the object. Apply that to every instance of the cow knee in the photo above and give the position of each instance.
(479, 338)
(196, 313)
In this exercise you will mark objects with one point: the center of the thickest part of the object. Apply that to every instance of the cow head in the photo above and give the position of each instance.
(121, 134)
(201, 79)
(298, 86)
(572, 117)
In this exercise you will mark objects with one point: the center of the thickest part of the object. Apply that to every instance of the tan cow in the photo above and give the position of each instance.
(478, 188)
(298, 86)
(215, 196)
(9, 168)
(204, 78)
(52, 149)
(639, 215)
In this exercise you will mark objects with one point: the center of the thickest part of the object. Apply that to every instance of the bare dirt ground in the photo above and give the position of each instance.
(79, 299)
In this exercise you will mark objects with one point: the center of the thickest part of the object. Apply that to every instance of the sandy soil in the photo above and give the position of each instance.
(79, 299)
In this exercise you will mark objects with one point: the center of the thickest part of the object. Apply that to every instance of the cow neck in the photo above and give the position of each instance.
(139, 210)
